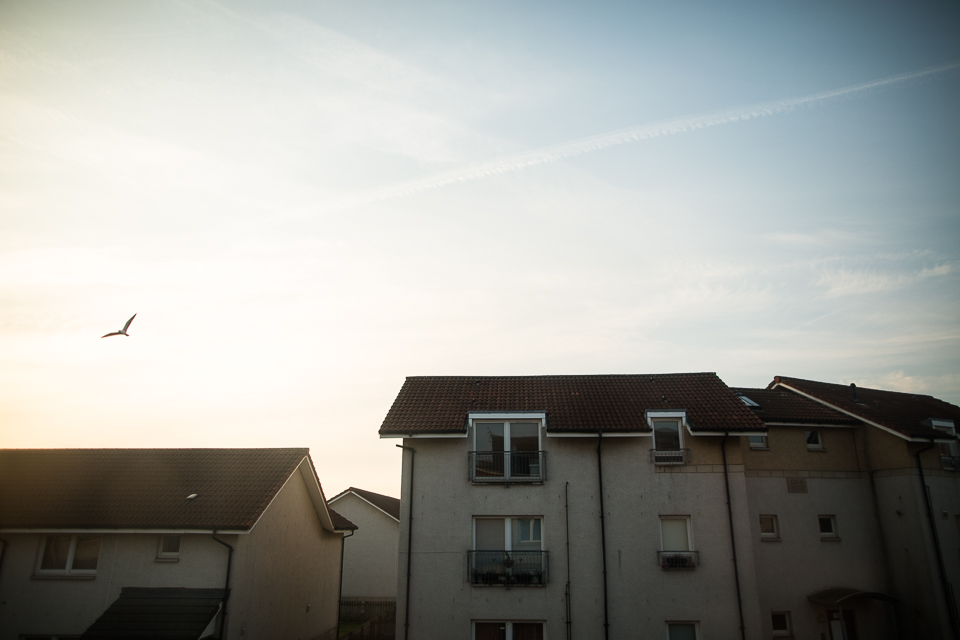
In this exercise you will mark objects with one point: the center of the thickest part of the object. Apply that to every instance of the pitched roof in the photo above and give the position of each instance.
(157, 614)
(905, 413)
(141, 488)
(579, 403)
(390, 506)
(340, 523)
(781, 405)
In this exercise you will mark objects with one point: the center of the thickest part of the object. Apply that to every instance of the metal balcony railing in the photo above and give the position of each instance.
(508, 568)
(678, 560)
(676, 456)
(507, 466)
(950, 463)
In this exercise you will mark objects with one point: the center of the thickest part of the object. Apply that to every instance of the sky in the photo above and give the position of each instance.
(306, 202)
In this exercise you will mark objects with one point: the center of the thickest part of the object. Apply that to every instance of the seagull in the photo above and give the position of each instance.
(122, 332)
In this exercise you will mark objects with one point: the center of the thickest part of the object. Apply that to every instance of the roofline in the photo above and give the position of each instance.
(340, 495)
(326, 520)
(830, 425)
(727, 433)
(181, 531)
(425, 434)
(595, 432)
(778, 383)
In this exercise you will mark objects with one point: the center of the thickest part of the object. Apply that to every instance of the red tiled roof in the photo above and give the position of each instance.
(440, 404)
(140, 488)
(389, 505)
(905, 413)
(780, 405)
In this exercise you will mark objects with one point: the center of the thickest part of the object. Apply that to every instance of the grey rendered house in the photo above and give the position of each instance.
(214, 542)
(574, 507)
(855, 497)
(671, 506)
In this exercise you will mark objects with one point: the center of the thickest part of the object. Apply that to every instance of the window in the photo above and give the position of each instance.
(507, 631)
(758, 442)
(676, 544)
(69, 555)
(828, 527)
(769, 528)
(781, 623)
(506, 450)
(168, 549)
(814, 440)
(508, 551)
(949, 459)
(667, 429)
(683, 631)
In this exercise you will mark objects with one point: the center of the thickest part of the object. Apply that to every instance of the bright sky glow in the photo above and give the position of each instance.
(305, 202)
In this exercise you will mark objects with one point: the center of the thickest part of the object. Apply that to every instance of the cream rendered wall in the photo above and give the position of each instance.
(641, 597)
(60, 606)
(287, 562)
(370, 554)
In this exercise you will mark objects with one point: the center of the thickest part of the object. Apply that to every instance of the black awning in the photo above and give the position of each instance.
(157, 614)
(837, 596)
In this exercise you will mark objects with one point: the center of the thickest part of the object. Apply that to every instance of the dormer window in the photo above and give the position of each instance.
(949, 451)
(507, 450)
(668, 437)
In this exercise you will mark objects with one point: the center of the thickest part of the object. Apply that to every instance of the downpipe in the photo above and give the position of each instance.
(406, 604)
(733, 542)
(603, 538)
(226, 586)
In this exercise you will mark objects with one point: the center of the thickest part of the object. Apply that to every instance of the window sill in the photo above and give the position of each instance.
(830, 539)
(759, 448)
(777, 539)
(166, 559)
(816, 450)
(62, 576)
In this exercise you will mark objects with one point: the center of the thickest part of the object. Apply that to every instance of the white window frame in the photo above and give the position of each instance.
(947, 449)
(507, 536)
(68, 571)
(833, 535)
(690, 547)
(817, 447)
(168, 556)
(695, 623)
(763, 445)
(509, 623)
(680, 417)
(776, 527)
(506, 430)
(788, 632)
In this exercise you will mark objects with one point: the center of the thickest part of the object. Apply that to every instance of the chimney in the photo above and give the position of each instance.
(853, 388)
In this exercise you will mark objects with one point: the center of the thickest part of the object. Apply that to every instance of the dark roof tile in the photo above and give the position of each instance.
(781, 405)
(390, 505)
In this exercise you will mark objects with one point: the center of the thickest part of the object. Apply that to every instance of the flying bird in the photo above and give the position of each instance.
(122, 332)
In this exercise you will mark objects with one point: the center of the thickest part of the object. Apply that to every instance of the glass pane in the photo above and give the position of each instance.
(524, 436)
(491, 631)
(682, 631)
(767, 525)
(87, 553)
(813, 438)
(758, 441)
(527, 631)
(674, 534)
(780, 622)
(55, 551)
(667, 435)
(489, 436)
(171, 544)
(526, 534)
(826, 525)
(490, 534)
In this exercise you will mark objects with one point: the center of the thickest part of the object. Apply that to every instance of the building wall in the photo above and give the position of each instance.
(63, 606)
(641, 596)
(286, 572)
(370, 554)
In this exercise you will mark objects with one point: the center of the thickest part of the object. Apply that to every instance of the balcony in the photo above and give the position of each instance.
(505, 467)
(508, 568)
(950, 463)
(670, 457)
(678, 560)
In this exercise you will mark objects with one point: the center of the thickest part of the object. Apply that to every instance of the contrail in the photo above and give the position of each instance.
(552, 153)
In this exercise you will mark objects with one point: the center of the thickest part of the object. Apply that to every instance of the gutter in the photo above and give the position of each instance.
(406, 604)
(603, 539)
(340, 588)
(226, 585)
(948, 599)
(733, 542)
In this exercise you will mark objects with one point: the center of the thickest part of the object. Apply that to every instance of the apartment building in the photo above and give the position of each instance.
(664, 506)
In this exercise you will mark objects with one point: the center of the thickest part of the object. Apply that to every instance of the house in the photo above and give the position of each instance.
(215, 542)
(875, 473)
(671, 506)
(370, 554)
(610, 506)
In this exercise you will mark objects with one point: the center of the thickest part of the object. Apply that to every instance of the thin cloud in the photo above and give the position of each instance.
(843, 282)
(553, 153)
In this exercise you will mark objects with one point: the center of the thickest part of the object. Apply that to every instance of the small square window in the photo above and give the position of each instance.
(168, 548)
(781, 623)
(683, 631)
(814, 440)
(769, 528)
(758, 442)
(828, 527)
